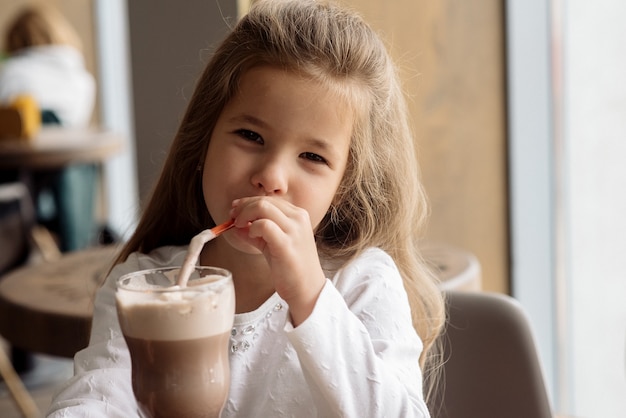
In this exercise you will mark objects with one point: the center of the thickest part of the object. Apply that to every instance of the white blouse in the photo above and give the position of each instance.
(355, 356)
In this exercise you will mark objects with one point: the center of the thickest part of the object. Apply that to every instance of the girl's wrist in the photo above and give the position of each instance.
(302, 305)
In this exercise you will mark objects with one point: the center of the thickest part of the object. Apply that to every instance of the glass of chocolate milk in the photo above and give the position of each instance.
(178, 339)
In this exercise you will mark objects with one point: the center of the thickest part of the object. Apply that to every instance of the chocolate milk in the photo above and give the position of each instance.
(195, 371)
(178, 341)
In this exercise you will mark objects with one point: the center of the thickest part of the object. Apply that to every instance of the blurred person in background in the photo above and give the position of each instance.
(43, 59)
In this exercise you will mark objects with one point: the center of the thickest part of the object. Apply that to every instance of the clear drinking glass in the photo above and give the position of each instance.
(178, 339)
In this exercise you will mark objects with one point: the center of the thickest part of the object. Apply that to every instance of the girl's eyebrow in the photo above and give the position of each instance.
(246, 118)
(320, 144)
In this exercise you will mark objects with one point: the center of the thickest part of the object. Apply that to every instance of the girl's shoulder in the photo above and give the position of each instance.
(372, 266)
(160, 257)
(369, 257)
(167, 256)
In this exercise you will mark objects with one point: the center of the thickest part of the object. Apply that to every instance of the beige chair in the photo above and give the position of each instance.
(491, 368)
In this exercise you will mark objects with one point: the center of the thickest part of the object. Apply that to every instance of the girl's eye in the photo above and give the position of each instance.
(249, 135)
(313, 157)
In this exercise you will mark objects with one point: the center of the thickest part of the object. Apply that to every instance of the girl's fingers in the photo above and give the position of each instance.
(264, 234)
(282, 226)
(248, 210)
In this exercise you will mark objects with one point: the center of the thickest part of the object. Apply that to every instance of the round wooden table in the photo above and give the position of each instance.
(47, 308)
(55, 147)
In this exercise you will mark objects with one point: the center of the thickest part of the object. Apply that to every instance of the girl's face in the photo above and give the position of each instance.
(281, 135)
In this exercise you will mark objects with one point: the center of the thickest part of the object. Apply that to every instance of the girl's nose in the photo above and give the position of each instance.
(271, 178)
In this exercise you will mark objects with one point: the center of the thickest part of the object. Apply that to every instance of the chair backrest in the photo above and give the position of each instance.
(491, 369)
(16, 220)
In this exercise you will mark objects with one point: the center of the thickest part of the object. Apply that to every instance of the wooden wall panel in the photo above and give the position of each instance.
(451, 56)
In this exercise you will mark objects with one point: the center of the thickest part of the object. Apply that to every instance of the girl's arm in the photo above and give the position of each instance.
(358, 349)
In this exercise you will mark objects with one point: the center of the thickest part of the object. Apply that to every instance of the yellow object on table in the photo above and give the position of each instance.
(21, 119)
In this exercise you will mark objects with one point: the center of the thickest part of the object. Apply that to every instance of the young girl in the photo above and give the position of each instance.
(298, 131)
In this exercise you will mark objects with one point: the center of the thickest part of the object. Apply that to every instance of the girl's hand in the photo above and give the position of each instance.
(284, 234)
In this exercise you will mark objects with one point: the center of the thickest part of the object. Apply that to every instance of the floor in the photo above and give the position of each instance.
(41, 382)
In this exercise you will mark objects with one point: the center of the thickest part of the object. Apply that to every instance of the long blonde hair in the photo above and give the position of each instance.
(380, 201)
